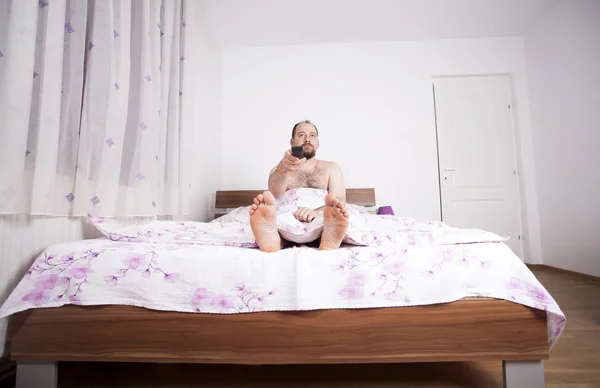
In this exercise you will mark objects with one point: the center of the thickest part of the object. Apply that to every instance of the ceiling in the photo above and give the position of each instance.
(239, 23)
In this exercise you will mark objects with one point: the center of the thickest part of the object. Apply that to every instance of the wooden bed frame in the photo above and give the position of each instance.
(471, 329)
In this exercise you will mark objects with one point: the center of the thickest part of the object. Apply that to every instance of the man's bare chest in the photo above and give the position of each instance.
(315, 179)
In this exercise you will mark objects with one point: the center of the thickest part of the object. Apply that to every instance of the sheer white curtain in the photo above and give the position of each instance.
(91, 118)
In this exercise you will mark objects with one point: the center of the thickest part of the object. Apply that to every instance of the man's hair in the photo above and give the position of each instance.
(303, 122)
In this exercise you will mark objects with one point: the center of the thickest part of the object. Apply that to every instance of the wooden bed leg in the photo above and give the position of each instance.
(33, 374)
(523, 374)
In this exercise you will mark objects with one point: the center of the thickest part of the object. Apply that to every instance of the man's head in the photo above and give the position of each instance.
(306, 134)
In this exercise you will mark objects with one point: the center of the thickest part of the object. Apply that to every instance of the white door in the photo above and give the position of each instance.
(477, 162)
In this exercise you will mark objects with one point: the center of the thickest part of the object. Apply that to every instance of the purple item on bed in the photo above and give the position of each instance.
(385, 210)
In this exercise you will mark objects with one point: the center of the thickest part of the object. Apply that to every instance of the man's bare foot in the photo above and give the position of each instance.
(335, 223)
(263, 220)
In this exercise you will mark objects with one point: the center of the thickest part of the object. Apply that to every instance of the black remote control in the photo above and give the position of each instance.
(297, 152)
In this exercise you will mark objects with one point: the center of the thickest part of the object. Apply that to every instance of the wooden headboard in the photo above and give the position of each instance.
(234, 199)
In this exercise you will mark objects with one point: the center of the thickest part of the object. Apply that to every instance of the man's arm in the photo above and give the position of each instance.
(336, 182)
(277, 181)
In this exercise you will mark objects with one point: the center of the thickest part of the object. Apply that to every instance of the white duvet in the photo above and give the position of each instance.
(213, 268)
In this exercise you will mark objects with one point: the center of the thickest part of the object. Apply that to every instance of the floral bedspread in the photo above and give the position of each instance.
(234, 229)
(188, 267)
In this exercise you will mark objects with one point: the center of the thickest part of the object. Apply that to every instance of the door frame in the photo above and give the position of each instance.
(517, 157)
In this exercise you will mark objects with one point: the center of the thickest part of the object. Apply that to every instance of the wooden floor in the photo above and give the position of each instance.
(574, 362)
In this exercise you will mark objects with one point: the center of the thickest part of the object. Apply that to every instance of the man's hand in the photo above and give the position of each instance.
(305, 214)
(280, 175)
(291, 163)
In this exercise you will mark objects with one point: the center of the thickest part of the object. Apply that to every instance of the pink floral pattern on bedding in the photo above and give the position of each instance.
(396, 274)
(234, 229)
(226, 280)
(146, 263)
(59, 276)
(416, 263)
(388, 267)
(243, 301)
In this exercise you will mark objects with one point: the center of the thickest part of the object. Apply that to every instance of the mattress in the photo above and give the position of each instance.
(194, 278)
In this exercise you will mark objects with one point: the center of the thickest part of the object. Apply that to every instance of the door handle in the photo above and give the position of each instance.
(446, 171)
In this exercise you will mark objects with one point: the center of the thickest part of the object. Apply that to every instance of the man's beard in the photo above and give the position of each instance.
(309, 151)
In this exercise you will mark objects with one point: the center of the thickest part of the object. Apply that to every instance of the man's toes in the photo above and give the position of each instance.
(268, 198)
(259, 198)
(330, 198)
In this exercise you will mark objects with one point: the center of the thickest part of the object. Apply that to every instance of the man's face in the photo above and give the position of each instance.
(306, 136)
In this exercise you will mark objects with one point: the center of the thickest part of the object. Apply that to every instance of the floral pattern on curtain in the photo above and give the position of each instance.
(91, 118)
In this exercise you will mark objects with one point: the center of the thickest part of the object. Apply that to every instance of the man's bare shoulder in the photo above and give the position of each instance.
(326, 163)
(330, 166)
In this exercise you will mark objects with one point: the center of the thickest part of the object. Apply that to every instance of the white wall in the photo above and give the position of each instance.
(205, 85)
(563, 69)
(371, 102)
